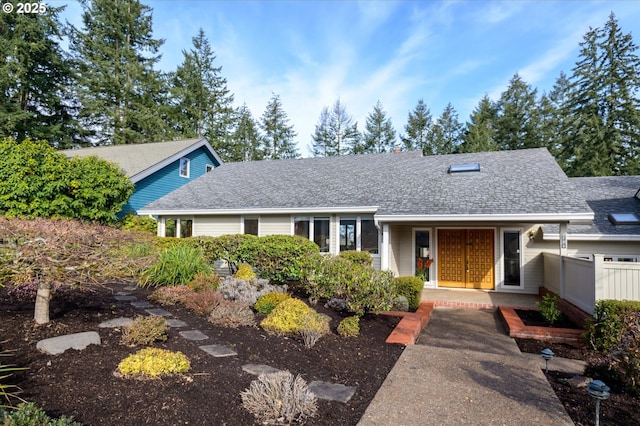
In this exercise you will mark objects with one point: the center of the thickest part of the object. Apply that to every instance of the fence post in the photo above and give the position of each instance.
(598, 276)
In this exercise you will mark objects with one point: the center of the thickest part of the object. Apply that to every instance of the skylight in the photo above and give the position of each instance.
(624, 219)
(462, 168)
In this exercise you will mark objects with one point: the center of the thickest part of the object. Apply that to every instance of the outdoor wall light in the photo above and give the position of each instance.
(600, 392)
(547, 354)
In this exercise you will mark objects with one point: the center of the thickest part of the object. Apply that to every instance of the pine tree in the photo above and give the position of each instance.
(517, 126)
(119, 90)
(335, 133)
(245, 140)
(278, 135)
(447, 133)
(35, 80)
(418, 129)
(553, 118)
(480, 131)
(379, 135)
(603, 106)
(201, 98)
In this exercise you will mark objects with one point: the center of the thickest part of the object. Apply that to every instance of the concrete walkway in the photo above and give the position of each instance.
(465, 370)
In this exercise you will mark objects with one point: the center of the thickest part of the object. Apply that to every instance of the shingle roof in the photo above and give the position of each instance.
(610, 194)
(510, 182)
(136, 158)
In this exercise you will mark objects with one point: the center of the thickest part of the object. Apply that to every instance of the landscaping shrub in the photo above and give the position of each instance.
(267, 302)
(132, 222)
(28, 414)
(287, 318)
(154, 362)
(204, 282)
(411, 288)
(604, 330)
(313, 327)
(177, 265)
(621, 365)
(169, 296)
(278, 258)
(233, 315)
(548, 308)
(145, 330)
(349, 326)
(355, 256)
(370, 290)
(247, 292)
(5, 371)
(400, 303)
(203, 302)
(278, 398)
(245, 272)
(225, 247)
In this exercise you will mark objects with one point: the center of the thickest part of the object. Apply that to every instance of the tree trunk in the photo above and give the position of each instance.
(41, 314)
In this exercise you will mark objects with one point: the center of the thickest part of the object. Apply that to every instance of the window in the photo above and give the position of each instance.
(462, 168)
(347, 234)
(251, 225)
(301, 226)
(623, 219)
(184, 167)
(511, 250)
(321, 234)
(208, 168)
(181, 228)
(186, 228)
(369, 236)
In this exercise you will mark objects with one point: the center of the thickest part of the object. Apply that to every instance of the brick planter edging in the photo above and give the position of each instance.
(516, 328)
(411, 324)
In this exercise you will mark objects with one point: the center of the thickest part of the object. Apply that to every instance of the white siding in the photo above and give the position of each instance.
(215, 226)
(274, 224)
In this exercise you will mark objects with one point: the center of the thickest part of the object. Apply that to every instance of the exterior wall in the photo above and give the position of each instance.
(168, 179)
(215, 226)
(274, 224)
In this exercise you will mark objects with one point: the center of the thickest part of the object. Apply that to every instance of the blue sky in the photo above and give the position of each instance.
(313, 52)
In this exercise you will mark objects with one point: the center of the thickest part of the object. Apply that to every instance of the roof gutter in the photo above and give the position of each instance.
(570, 218)
(255, 211)
(592, 237)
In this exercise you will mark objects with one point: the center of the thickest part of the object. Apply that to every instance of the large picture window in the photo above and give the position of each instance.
(359, 233)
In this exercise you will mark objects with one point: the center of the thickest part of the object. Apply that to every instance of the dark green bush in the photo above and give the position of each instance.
(132, 222)
(548, 308)
(604, 330)
(224, 247)
(28, 414)
(278, 258)
(361, 257)
(411, 288)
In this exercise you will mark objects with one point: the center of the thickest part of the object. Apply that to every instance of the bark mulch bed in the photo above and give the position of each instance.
(621, 409)
(82, 383)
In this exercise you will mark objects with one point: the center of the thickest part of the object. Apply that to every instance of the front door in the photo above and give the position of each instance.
(466, 258)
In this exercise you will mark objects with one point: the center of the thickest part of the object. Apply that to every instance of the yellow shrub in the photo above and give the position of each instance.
(154, 362)
(287, 318)
(349, 327)
(267, 302)
(245, 272)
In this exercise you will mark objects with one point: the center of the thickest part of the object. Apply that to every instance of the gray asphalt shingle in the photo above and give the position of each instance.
(407, 183)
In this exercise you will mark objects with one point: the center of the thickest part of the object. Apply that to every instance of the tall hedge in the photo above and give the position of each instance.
(37, 181)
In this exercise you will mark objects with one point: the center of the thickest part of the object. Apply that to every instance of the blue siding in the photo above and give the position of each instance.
(168, 179)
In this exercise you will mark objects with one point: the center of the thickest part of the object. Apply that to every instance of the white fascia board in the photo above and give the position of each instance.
(281, 210)
(592, 237)
(571, 218)
(178, 155)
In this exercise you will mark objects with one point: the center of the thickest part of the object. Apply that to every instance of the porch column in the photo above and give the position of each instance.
(161, 226)
(384, 250)
(562, 233)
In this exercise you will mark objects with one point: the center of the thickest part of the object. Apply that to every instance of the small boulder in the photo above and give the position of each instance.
(59, 344)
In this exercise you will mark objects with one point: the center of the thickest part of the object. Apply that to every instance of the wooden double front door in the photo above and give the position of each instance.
(466, 258)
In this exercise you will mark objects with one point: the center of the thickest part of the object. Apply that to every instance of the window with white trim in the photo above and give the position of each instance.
(314, 228)
(250, 225)
(208, 168)
(184, 167)
(511, 249)
(359, 233)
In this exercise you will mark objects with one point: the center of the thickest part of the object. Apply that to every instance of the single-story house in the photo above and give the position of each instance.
(457, 221)
(157, 168)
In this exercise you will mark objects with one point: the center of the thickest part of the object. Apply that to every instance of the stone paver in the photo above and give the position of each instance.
(122, 298)
(193, 335)
(130, 288)
(123, 293)
(144, 304)
(218, 351)
(159, 312)
(176, 323)
(59, 344)
(116, 323)
(258, 369)
(331, 391)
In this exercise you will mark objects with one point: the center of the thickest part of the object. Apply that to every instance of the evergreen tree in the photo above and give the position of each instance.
(603, 106)
(553, 117)
(379, 135)
(335, 133)
(201, 98)
(480, 131)
(517, 126)
(447, 133)
(418, 129)
(35, 80)
(119, 90)
(245, 140)
(278, 135)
